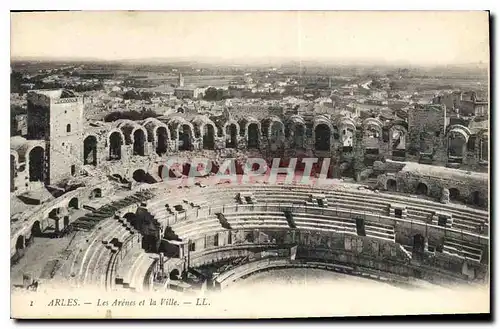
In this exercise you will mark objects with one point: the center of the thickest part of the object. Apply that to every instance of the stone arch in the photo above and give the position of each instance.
(251, 129)
(36, 229)
(20, 243)
(231, 132)
(162, 137)
(322, 133)
(161, 171)
(253, 136)
(391, 185)
(418, 243)
(182, 132)
(426, 145)
(295, 131)
(174, 274)
(185, 133)
(140, 176)
(422, 189)
(158, 134)
(372, 135)
(208, 135)
(115, 142)
(454, 194)
(139, 137)
(74, 203)
(128, 127)
(96, 193)
(273, 128)
(373, 122)
(90, 150)
(397, 140)
(457, 138)
(36, 164)
(347, 130)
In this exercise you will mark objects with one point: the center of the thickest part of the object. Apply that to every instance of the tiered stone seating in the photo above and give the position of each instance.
(198, 226)
(129, 248)
(248, 220)
(417, 209)
(324, 223)
(104, 229)
(101, 255)
(95, 258)
(89, 220)
(380, 231)
(463, 249)
(126, 268)
(140, 270)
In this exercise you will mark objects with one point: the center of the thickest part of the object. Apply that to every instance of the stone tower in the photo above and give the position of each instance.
(56, 116)
(180, 81)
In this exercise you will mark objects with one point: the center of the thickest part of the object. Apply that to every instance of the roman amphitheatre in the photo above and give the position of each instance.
(93, 204)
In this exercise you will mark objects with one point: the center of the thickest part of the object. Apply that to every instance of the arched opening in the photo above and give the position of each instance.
(12, 173)
(20, 243)
(37, 164)
(96, 193)
(161, 171)
(115, 146)
(68, 128)
(418, 243)
(275, 132)
(253, 136)
(231, 133)
(392, 185)
(476, 199)
(185, 138)
(186, 168)
(208, 137)
(322, 135)
(161, 140)
(90, 151)
(371, 139)
(454, 194)
(36, 229)
(347, 139)
(456, 147)
(140, 176)
(422, 189)
(73, 203)
(298, 136)
(398, 143)
(174, 274)
(139, 140)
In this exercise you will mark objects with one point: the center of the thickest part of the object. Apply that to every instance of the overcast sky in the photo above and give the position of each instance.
(410, 37)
